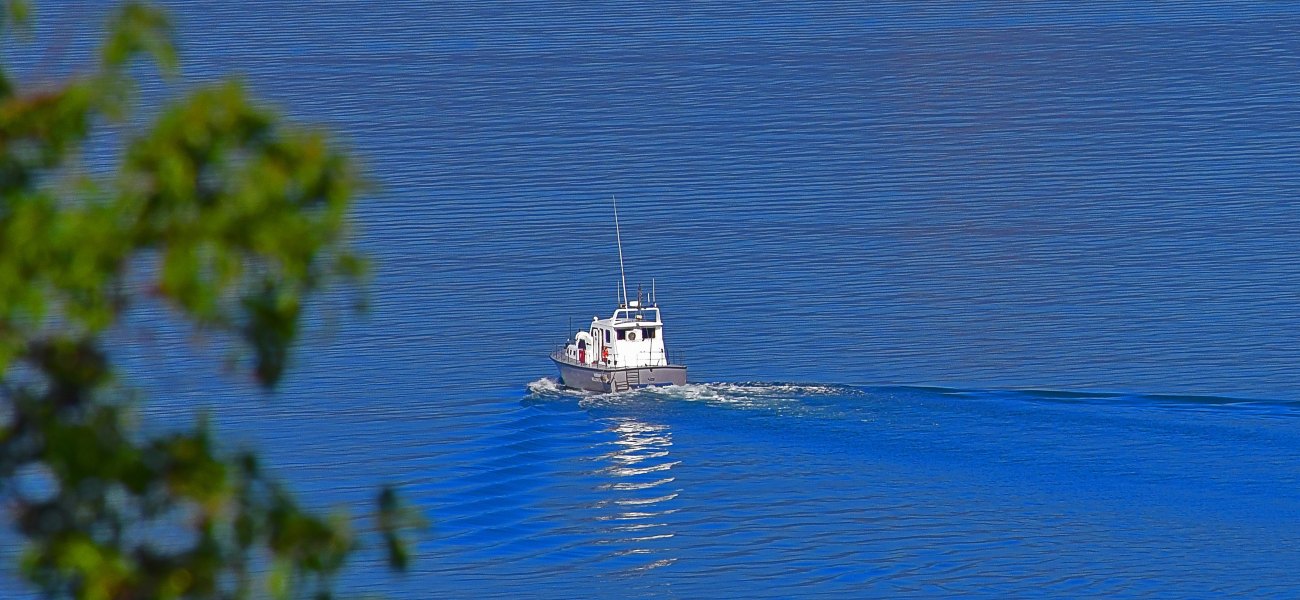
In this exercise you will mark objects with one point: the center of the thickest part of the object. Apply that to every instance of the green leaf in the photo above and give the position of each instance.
(223, 214)
(137, 28)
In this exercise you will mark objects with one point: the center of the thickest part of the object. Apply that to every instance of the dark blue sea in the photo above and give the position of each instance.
(979, 299)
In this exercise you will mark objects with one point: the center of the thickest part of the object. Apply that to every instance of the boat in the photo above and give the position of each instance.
(623, 352)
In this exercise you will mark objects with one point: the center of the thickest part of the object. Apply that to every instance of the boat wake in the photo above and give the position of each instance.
(545, 386)
(742, 394)
(753, 389)
(756, 394)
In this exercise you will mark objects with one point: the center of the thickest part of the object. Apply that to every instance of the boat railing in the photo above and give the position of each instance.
(559, 352)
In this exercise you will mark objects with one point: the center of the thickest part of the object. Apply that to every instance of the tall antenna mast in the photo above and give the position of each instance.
(618, 235)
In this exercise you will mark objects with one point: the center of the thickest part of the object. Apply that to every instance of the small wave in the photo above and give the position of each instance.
(1116, 400)
(794, 397)
(787, 398)
(781, 396)
(749, 394)
(722, 390)
(1190, 402)
(545, 385)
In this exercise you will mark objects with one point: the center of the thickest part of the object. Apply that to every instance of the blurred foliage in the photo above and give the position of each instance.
(217, 210)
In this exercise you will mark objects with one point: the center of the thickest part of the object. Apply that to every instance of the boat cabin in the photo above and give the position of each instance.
(632, 337)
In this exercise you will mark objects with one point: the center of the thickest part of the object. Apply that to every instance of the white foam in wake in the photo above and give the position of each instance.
(746, 394)
(545, 385)
(783, 397)
(725, 392)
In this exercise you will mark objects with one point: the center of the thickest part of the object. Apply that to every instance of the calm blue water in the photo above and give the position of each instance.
(987, 300)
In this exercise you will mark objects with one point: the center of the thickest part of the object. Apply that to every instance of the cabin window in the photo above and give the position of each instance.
(648, 333)
(606, 336)
(622, 334)
(644, 314)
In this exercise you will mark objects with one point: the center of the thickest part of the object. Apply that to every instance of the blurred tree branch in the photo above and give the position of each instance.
(246, 217)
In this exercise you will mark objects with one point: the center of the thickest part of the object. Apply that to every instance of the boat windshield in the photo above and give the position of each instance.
(636, 314)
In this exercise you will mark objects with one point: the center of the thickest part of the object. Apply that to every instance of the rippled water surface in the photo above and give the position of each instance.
(931, 219)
